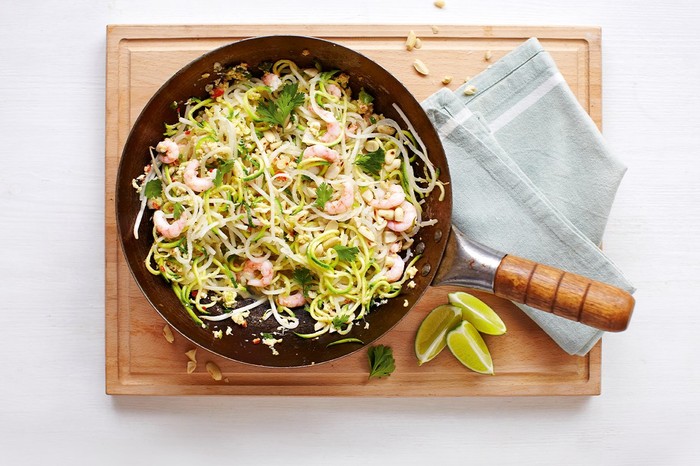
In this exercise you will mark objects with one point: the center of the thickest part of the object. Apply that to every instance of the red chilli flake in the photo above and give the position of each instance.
(217, 92)
(256, 341)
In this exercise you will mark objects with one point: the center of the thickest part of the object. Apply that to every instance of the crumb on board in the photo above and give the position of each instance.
(168, 334)
(214, 371)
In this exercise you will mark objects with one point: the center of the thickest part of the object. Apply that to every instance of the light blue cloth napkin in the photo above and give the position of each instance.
(531, 174)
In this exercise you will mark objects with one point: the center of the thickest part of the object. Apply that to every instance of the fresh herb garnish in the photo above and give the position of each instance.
(267, 336)
(304, 278)
(323, 194)
(276, 111)
(153, 188)
(224, 168)
(265, 66)
(340, 320)
(381, 361)
(177, 210)
(346, 254)
(371, 162)
(365, 98)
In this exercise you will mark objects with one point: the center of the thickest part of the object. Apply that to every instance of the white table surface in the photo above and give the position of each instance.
(52, 402)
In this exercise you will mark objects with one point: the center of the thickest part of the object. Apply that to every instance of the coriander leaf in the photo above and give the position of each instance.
(177, 210)
(303, 277)
(364, 97)
(346, 254)
(265, 66)
(267, 336)
(153, 189)
(276, 111)
(371, 162)
(224, 168)
(339, 320)
(323, 195)
(381, 361)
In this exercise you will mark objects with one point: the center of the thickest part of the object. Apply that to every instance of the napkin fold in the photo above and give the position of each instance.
(531, 174)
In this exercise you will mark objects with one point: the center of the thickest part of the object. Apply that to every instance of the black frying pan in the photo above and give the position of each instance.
(466, 263)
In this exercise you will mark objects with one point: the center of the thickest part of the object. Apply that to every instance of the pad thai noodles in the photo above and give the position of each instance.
(286, 190)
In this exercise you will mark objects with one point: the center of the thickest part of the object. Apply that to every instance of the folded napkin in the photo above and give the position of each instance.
(531, 174)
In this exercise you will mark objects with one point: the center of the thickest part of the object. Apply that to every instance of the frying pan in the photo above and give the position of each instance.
(447, 256)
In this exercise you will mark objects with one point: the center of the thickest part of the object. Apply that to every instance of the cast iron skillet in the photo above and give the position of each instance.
(465, 263)
(148, 130)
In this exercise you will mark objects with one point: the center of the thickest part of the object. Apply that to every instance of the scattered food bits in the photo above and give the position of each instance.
(488, 55)
(192, 355)
(168, 334)
(214, 370)
(421, 68)
(447, 80)
(435, 29)
(470, 90)
(229, 330)
(305, 52)
(439, 4)
(191, 366)
(419, 43)
(467, 79)
(256, 341)
(405, 303)
(218, 334)
(411, 40)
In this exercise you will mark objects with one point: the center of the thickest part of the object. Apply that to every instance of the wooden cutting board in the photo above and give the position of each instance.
(139, 361)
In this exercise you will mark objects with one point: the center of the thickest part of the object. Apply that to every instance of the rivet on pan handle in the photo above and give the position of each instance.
(543, 287)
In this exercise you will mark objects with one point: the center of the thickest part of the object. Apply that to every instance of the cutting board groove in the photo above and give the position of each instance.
(139, 361)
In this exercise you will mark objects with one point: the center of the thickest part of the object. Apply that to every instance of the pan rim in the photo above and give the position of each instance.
(445, 176)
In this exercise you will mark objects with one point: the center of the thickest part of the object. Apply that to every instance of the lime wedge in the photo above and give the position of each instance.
(430, 339)
(478, 313)
(469, 348)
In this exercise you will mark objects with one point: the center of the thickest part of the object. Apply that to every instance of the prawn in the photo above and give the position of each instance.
(193, 181)
(389, 200)
(169, 151)
(293, 300)
(344, 202)
(332, 132)
(169, 230)
(395, 272)
(251, 269)
(323, 152)
(333, 128)
(334, 90)
(409, 216)
(272, 81)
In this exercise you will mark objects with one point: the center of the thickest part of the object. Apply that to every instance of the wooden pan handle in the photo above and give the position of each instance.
(562, 293)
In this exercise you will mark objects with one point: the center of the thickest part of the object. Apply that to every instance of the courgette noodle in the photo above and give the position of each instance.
(303, 198)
